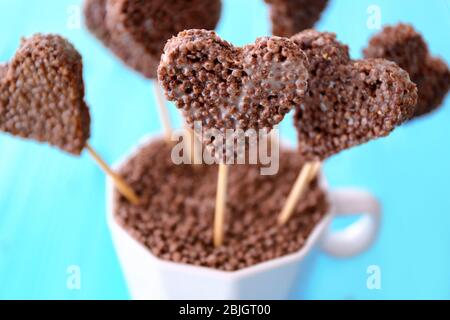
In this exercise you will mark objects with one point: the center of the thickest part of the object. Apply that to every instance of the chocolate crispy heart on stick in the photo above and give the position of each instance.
(292, 16)
(244, 90)
(42, 98)
(406, 47)
(226, 87)
(42, 94)
(348, 102)
(136, 30)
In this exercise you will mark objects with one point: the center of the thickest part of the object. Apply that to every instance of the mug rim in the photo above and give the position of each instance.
(311, 241)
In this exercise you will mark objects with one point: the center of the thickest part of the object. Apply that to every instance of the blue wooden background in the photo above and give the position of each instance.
(52, 207)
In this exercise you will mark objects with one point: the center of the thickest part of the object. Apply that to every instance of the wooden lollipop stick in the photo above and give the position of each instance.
(121, 185)
(307, 174)
(163, 112)
(221, 199)
(189, 146)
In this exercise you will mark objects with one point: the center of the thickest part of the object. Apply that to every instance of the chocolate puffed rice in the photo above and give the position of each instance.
(348, 102)
(226, 87)
(42, 94)
(406, 47)
(136, 30)
(174, 220)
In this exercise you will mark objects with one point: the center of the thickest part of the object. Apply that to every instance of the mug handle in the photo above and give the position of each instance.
(360, 235)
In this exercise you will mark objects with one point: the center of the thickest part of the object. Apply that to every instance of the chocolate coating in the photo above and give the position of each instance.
(292, 16)
(176, 214)
(348, 102)
(136, 30)
(226, 87)
(42, 94)
(406, 47)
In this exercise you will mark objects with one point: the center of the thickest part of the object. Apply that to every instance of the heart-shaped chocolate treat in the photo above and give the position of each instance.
(136, 30)
(42, 94)
(406, 47)
(348, 102)
(226, 87)
(292, 16)
(95, 12)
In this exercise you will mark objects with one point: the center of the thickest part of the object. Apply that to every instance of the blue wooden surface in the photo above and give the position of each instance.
(52, 211)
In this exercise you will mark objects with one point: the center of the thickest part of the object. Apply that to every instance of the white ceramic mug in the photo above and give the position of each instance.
(149, 277)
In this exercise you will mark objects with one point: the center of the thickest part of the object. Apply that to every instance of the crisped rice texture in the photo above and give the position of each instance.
(226, 87)
(174, 220)
(42, 94)
(406, 47)
(292, 16)
(136, 30)
(348, 102)
(95, 15)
